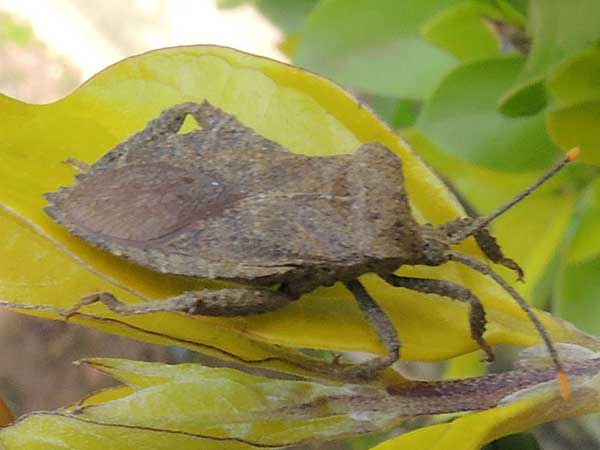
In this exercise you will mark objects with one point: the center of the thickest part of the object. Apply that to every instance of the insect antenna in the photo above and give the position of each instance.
(482, 268)
(474, 263)
(482, 222)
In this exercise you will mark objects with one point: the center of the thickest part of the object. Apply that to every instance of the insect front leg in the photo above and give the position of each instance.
(487, 243)
(454, 291)
(490, 247)
(222, 302)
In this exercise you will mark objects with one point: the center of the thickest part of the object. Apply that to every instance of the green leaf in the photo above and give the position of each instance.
(13, 31)
(576, 85)
(529, 100)
(577, 125)
(461, 119)
(375, 49)
(365, 442)
(191, 407)
(515, 11)
(542, 292)
(229, 4)
(287, 15)
(398, 113)
(466, 20)
(520, 441)
(585, 244)
(230, 403)
(558, 29)
(518, 7)
(578, 290)
(578, 287)
(577, 80)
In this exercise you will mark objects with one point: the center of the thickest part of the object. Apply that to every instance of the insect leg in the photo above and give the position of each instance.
(221, 302)
(170, 121)
(208, 117)
(482, 268)
(454, 291)
(490, 247)
(486, 242)
(76, 164)
(384, 328)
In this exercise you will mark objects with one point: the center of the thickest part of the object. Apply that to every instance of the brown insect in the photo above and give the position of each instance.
(224, 202)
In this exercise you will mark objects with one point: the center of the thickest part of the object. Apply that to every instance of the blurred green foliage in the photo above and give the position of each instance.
(521, 441)
(12, 31)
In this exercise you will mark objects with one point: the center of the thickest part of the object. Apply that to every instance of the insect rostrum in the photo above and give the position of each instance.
(224, 202)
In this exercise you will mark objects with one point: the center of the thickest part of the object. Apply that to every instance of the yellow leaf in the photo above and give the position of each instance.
(44, 270)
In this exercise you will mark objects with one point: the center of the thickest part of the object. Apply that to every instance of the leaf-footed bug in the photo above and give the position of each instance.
(224, 202)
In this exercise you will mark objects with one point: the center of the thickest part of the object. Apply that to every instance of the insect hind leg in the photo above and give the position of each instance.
(219, 302)
(170, 121)
(248, 301)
